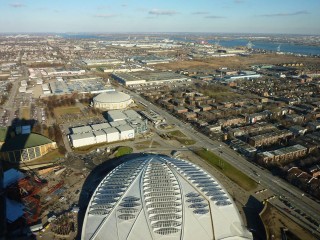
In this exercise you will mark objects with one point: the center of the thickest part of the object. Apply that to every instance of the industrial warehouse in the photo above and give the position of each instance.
(121, 126)
(70, 85)
(112, 100)
(157, 197)
(148, 78)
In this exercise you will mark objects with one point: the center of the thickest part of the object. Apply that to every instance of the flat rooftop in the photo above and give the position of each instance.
(150, 76)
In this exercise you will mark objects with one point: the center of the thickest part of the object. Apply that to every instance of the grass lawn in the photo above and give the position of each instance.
(177, 133)
(123, 151)
(89, 148)
(181, 138)
(64, 110)
(227, 169)
(25, 113)
(49, 157)
(147, 144)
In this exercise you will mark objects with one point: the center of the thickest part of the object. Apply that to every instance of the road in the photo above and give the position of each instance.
(264, 177)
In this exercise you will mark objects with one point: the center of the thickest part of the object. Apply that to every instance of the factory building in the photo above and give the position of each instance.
(82, 139)
(148, 78)
(112, 134)
(100, 136)
(112, 100)
(101, 62)
(122, 126)
(126, 132)
(116, 115)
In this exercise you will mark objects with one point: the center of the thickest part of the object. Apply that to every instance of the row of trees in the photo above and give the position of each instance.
(53, 132)
(4, 98)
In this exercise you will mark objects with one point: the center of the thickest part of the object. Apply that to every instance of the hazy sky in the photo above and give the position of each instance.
(240, 16)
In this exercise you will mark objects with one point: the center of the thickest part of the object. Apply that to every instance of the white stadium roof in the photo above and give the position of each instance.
(157, 197)
(112, 97)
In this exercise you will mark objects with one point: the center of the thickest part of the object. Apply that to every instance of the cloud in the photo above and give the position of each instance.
(200, 13)
(124, 5)
(285, 14)
(214, 17)
(162, 12)
(17, 5)
(104, 15)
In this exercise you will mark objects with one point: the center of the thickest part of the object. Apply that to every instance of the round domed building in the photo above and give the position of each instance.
(26, 147)
(112, 100)
(155, 197)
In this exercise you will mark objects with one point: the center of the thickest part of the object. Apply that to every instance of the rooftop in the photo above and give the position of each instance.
(157, 197)
(25, 141)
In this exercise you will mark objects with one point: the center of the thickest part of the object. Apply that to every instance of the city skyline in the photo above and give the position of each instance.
(227, 16)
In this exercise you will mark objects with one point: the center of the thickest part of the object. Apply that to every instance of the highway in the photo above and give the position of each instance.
(264, 177)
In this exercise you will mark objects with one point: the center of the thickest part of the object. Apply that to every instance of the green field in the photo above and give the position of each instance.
(123, 151)
(147, 144)
(228, 170)
(89, 148)
(181, 138)
(176, 133)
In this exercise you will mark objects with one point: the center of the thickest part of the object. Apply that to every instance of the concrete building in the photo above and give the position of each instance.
(82, 139)
(83, 129)
(156, 197)
(112, 134)
(148, 78)
(126, 132)
(101, 62)
(100, 126)
(112, 100)
(100, 136)
(123, 125)
(116, 115)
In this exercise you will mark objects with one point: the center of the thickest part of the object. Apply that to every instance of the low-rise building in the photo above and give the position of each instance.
(282, 156)
(126, 132)
(269, 138)
(82, 139)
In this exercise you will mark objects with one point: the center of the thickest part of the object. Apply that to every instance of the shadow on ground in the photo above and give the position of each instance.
(254, 223)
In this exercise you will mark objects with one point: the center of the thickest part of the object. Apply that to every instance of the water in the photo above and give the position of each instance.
(265, 45)
(272, 46)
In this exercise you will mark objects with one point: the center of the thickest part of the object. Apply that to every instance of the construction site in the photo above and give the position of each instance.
(43, 203)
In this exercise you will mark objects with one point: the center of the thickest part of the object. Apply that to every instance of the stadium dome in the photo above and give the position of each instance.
(112, 100)
(157, 197)
(26, 147)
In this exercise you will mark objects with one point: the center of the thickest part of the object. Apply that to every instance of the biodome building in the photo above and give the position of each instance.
(157, 197)
(112, 100)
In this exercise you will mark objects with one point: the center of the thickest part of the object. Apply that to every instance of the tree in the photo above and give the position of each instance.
(62, 150)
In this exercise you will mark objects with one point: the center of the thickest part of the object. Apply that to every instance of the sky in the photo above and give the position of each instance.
(216, 16)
